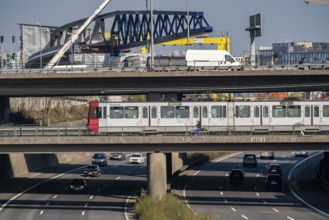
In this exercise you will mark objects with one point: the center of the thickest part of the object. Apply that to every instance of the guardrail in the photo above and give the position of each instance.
(36, 131)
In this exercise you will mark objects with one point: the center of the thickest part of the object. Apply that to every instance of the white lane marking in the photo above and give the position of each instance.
(47, 204)
(257, 175)
(264, 202)
(36, 185)
(55, 196)
(221, 193)
(227, 174)
(118, 177)
(86, 205)
(243, 216)
(293, 191)
(274, 161)
(83, 213)
(196, 173)
(283, 156)
(41, 212)
(91, 197)
(257, 194)
(290, 218)
(275, 210)
(233, 209)
(225, 200)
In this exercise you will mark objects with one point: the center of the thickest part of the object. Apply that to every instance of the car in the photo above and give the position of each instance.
(301, 154)
(78, 185)
(99, 159)
(236, 176)
(137, 158)
(117, 156)
(92, 170)
(273, 182)
(274, 168)
(250, 160)
(266, 155)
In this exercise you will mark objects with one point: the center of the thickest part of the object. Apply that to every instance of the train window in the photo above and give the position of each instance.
(167, 111)
(104, 112)
(96, 112)
(154, 112)
(204, 112)
(131, 112)
(242, 111)
(145, 112)
(217, 111)
(279, 111)
(256, 111)
(182, 112)
(316, 111)
(307, 111)
(116, 112)
(326, 111)
(294, 111)
(195, 112)
(265, 112)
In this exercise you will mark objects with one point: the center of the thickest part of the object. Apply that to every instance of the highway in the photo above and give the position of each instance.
(46, 195)
(208, 190)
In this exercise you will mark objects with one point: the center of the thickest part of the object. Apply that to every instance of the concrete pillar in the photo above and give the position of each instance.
(156, 174)
(4, 110)
(18, 164)
(326, 165)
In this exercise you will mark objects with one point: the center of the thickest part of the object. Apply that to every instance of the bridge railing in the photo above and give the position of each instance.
(38, 131)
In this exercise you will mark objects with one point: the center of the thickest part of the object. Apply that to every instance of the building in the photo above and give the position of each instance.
(290, 53)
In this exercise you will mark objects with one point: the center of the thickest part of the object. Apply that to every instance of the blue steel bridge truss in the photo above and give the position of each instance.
(133, 28)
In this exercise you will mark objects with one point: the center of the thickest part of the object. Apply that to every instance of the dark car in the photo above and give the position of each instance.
(117, 156)
(236, 176)
(92, 170)
(273, 169)
(78, 185)
(273, 182)
(99, 159)
(250, 160)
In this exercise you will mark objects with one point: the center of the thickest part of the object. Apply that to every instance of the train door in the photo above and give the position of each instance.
(154, 116)
(315, 111)
(195, 115)
(204, 116)
(308, 112)
(256, 112)
(265, 115)
(145, 117)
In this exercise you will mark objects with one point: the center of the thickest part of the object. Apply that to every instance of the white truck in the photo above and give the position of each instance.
(219, 59)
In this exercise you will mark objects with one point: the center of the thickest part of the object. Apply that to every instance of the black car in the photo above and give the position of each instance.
(117, 156)
(250, 160)
(236, 176)
(92, 170)
(78, 185)
(273, 169)
(273, 182)
(99, 159)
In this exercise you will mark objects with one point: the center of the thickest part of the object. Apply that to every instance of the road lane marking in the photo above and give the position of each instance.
(264, 202)
(118, 177)
(86, 205)
(243, 216)
(41, 212)
(227, 174)
(233, 209)
(91, 197)
(221, 193)
(258, 175)
(225, 200)
(55, 196)
(83, 213)
(275, 210)
(47, 204)
(283, 156)
(274, 161)
(257, 194)
(290, 218)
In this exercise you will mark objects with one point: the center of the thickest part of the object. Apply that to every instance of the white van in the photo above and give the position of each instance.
(211, 58)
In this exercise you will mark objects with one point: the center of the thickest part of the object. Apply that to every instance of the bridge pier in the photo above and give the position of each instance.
(4, 110)
(175, 161)
(157, 175)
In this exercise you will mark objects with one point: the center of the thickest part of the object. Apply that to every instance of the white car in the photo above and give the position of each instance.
(137, 158)
(301, 154)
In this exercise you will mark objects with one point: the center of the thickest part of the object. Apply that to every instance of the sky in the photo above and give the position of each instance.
(282, 20)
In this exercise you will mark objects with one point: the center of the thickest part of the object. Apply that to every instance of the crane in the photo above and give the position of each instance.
(321, 2)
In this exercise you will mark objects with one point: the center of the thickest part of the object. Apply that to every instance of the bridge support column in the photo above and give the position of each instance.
(154, 97)
(156, 174)
(4, 110)
(175, 162)
(326, 165)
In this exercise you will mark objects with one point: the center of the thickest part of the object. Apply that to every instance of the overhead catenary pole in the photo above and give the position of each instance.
(75, 36)
(152, 37)
(188, 22)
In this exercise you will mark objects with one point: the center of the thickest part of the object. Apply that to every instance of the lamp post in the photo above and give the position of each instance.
(188, 22)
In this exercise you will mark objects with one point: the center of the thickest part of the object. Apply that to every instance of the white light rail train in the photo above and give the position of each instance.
(215, 117)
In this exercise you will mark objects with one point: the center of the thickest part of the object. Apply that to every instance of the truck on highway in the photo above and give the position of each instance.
(212, 58)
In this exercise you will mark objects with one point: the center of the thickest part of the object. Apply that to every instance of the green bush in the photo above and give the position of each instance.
(169, 208)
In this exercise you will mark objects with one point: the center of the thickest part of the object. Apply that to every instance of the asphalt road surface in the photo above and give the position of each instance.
(46, 195)
(207, 190)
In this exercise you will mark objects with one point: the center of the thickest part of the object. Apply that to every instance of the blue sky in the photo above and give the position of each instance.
(282, 20)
